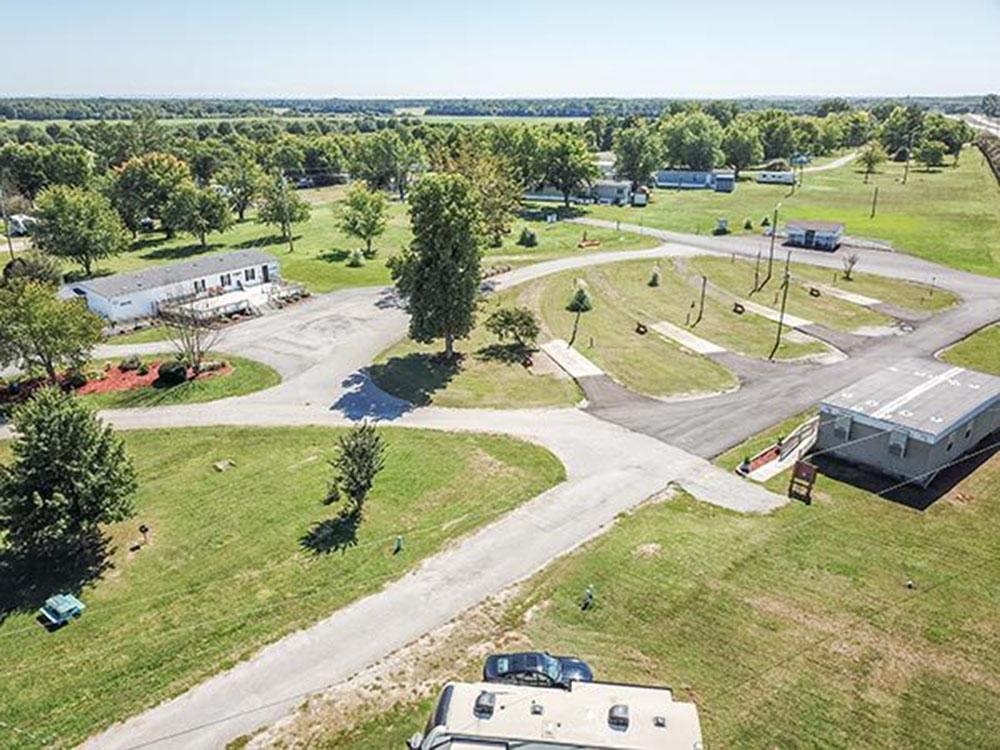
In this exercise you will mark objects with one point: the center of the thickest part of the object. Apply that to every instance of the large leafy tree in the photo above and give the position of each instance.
(568, 165)
(777, 132)
(388, 158)
(741, 145)
(143, 186)
(692, 139)
(497, 187)
(931, 153)
(39, 332)
(197, 211)
(990, 105)
(70, 473)
(953, 134)
(244, 179)
(281, 207)
(870, 157)
(364, 215)
(637, 153)
(901, 131)
(439, 273)
(79, 225)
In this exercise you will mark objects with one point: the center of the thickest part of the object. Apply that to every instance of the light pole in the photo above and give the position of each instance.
(770, 253)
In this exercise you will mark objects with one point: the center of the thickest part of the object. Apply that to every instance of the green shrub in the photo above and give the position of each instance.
(356, 259)
(748, 225)
(765, 222)
(528, 238)
(132, 362)
(143, 370)
(76, 379)
(654, 279)
(172, 373)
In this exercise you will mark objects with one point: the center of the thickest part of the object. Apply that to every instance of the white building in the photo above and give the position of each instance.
(219, 283)
(592, 715)
(819, 235)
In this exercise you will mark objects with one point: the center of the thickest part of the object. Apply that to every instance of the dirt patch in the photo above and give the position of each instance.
(414, 673)
(652, 549)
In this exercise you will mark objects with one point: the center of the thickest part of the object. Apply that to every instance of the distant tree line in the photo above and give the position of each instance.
(30, 108)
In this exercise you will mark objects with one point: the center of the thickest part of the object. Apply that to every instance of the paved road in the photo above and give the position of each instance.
(621, 452)
(708, 427)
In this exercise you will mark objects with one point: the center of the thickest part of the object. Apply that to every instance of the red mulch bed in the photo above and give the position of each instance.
(115, 379)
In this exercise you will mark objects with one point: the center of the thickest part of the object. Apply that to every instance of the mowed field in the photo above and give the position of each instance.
(980, 351)
(319, 260)
(950, 215)
(792, 630)
(236, 559)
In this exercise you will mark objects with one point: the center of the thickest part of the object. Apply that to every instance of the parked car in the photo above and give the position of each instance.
(536, 668)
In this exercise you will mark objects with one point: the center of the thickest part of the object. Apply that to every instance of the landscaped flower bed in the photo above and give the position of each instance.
(114, 378)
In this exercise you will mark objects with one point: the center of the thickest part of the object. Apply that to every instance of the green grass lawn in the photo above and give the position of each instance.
(791, 630)
(980, 351)
(647, 364)
(142, 336)
(247, 376)
(322, 249)
(950, 215)
(736, 276)
(488, 375)
(627, 284)
(236, 559)
(911, 296)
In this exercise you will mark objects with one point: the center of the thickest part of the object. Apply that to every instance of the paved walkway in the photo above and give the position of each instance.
(575, 364)
(852, 297)
(792, 321)
(686, 338)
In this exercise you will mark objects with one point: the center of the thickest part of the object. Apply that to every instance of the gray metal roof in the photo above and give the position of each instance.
(927, 397)
(121, 284)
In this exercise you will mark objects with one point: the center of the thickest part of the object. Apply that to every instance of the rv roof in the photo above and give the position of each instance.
(922, 396)
(816, 226)
(577, 717)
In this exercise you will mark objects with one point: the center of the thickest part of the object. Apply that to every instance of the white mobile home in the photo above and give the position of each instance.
(224, 282)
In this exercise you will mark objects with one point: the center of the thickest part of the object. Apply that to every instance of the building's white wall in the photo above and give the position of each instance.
(144, 303)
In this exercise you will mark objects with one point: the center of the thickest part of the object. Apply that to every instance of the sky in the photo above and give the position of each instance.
(505, 48)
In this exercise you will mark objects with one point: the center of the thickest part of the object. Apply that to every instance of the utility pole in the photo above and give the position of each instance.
(284, 211)
(874, 202)
(781, 316)
(6, 219)
(909, 153)
(770, 253)
(701, 303)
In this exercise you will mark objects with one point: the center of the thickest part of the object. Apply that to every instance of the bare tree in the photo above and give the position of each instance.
(192, 334)
(850, 262)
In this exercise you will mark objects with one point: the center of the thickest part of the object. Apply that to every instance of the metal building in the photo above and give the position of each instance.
(911, 419)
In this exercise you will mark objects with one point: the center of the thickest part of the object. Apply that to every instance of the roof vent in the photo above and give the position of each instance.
(537, 709)
(618, 717)
(485, 704)
(660, 722)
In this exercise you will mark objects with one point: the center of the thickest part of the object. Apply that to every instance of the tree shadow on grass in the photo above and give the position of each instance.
(334, 256)
(332, 535)
(415, 377)
(179, 252)
(507, 354)
(26, 580)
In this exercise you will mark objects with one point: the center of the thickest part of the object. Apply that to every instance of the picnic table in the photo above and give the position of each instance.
(61, 608)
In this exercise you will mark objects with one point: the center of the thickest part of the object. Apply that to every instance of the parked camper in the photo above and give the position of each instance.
(776, 178)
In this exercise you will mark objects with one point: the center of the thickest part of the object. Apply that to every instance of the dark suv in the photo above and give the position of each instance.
(536, 668)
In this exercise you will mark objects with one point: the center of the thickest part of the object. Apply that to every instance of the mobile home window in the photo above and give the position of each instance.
(842, 427)
(968, 429)
(897, 443)
(199, 285)
(250, 274)
(225, 279)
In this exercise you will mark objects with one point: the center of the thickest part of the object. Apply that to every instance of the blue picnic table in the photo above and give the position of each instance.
(61, 608)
